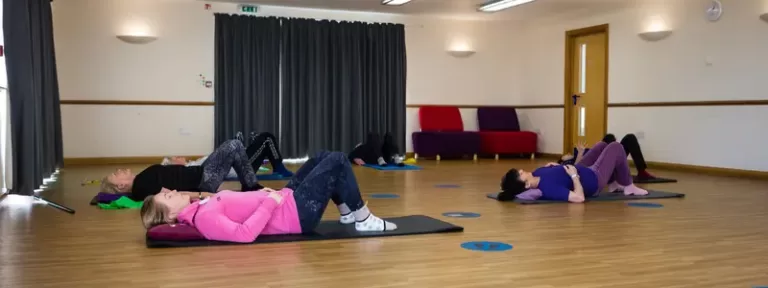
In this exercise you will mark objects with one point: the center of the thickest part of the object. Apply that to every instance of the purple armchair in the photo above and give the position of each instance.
(442, 134)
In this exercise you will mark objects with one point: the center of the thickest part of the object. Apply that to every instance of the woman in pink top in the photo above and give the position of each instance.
(297, 208)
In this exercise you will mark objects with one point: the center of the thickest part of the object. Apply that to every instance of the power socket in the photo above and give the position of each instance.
(640, 135)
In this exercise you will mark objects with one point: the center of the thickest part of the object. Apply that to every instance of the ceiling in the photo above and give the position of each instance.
(462, 9)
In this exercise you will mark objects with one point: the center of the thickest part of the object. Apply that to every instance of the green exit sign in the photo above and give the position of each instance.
(249, 8)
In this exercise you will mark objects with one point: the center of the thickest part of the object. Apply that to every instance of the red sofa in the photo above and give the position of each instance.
(442, 134)
(500, 132)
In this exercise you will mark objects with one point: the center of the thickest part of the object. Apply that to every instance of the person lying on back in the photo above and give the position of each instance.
(605, 165)
(204, 178)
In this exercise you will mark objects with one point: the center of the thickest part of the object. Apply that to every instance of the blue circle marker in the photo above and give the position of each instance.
(486, 246)
(384, 196)
(461, 214)
(447, 186)
(644, 205)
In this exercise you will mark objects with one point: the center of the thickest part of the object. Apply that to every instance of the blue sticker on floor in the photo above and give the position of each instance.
(461, 214)
(447, 186)
(486, 246)
(384, 196)
(644, 205)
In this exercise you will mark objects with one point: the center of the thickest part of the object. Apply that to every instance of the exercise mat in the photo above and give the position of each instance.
(602, 197)
(328, 230)
(653, 180)
(393, 167)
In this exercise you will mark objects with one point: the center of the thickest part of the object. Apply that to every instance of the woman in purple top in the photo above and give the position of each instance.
(575, 183)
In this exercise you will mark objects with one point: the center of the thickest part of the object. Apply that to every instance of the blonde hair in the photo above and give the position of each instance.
(108, 187)
(152, 213)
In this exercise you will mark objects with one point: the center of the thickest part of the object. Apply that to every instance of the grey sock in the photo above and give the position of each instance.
(344, 209)
(362, 214)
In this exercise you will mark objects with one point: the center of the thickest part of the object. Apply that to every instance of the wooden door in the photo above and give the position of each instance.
(586, 104)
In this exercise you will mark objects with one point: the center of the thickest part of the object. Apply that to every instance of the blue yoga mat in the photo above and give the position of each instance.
(273, 176)
(393, 167)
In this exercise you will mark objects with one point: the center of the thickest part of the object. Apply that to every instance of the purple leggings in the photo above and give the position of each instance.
(609, 161)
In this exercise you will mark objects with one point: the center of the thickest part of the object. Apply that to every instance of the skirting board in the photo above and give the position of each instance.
(730, 172)
(118, 160)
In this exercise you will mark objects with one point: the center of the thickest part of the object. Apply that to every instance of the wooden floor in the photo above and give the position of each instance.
(715, 237)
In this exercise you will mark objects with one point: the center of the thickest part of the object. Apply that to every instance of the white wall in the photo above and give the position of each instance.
(670, 70)
(94, 65)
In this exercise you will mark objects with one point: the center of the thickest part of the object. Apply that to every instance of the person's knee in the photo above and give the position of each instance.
(268, 135)
(232, 143)
(629, 137)
(615, 146)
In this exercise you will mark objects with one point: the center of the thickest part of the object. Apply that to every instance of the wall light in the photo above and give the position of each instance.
(394, 2)
(764, 17)
(136, 39)
(656, 29)
(460, 49)
(137, 32)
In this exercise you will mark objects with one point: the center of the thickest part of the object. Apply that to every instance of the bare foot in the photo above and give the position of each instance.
(634, 190)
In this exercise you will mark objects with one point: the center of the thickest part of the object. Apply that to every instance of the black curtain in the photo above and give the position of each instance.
(340, 81)
(247, 73)
(33, 92)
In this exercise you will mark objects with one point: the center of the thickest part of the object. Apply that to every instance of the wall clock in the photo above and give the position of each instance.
(714, 11)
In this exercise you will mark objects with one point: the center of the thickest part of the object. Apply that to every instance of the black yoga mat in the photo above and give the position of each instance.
(603, 197)
(332, 230)
(653, 180)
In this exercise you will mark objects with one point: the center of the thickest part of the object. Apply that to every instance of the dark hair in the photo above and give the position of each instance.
(511, 185)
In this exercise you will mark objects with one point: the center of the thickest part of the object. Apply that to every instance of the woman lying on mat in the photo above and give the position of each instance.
(241, 217)
(603, 164)
(631, 147)
(263, 146)
(206, 177)
(375, 151)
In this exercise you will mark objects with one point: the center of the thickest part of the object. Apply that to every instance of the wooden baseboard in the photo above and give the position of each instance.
(538, 155)
(118, 160)
(716, 171)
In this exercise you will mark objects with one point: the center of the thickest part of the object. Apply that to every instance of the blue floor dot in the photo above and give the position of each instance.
(461, 214)
(384, 196)
(447, 186)
(486, 246)
(644, 205)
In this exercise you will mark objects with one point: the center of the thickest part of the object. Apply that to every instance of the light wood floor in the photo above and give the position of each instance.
(715, 237)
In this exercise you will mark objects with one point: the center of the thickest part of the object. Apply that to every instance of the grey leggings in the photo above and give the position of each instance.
(229, 155)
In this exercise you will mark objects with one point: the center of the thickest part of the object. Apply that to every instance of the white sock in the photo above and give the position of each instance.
(362, 213)
(381, 161)
(373, 223)
(344, 209)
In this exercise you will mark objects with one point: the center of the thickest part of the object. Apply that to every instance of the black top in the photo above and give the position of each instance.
(173, 177)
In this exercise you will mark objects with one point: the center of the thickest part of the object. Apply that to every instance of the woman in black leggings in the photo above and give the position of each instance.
(631, 146)
(376, 151)
(264, 145)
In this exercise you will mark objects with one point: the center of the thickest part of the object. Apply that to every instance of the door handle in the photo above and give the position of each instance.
(575, 99)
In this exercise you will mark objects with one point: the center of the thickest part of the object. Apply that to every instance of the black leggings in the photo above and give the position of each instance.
(632, 147)
(264, 146)
(374, 147)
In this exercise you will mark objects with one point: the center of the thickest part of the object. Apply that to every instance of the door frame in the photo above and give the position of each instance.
(570, 37)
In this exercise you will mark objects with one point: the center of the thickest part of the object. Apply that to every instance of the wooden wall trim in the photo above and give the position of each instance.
(119, 160)
(467, 106)
(692, 103)
(617, 105)
(136, 102)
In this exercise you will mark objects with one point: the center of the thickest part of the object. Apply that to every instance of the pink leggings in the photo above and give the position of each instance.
(609, 161)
